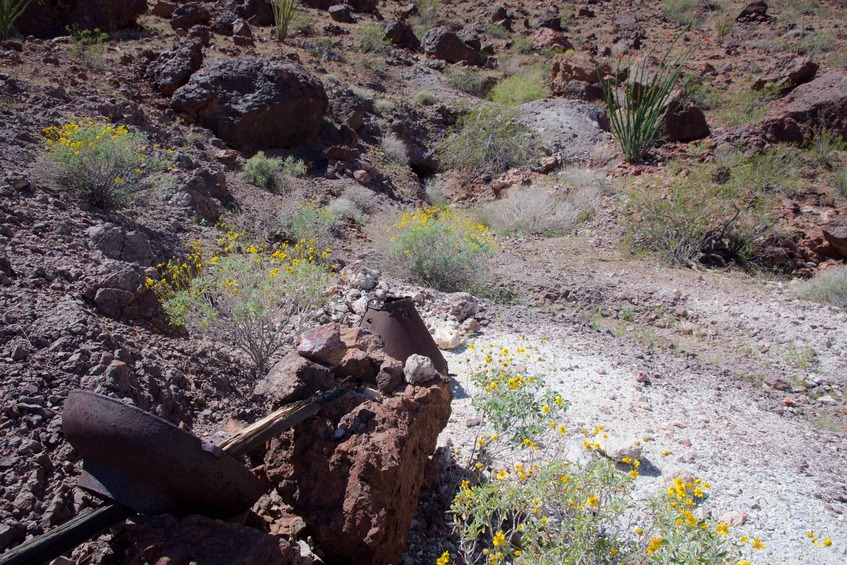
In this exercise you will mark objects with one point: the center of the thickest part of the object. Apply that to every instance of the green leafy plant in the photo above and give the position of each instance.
(99, 162)
(283, 15)
(250, 297)
(517, 90)
(87, 45)
(294, 168)
(490, 140)
(638, 109)
(10, 11)
(435, 248)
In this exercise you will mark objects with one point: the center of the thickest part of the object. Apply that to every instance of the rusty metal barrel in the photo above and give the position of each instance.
(398, 323)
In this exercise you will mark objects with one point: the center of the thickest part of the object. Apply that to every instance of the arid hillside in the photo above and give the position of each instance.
(623, 226)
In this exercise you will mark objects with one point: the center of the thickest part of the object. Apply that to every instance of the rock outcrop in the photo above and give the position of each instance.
(255, 104)
(354, 471)
(51, 17)
(445, 44)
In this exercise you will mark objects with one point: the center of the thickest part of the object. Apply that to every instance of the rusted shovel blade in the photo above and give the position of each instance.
(150, 465)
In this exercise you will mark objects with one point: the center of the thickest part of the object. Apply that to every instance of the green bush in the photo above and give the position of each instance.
(839, 180)
(745, 107)
(425, 98)
(637, 111)
(10, 11)
(469, 80)
(490, 140)
(262, 171)
(283, 14)
(99, 162)
(830, 287)
(517, 90)
(255, 300)
(272, 173)
(716, 210)
(435, 248)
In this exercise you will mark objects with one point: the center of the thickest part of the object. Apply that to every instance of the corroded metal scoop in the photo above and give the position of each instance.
(150, 465)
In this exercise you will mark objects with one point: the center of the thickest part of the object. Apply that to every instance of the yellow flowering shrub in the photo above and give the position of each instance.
(100, 162)
(531, 505)
(254, 297)
(437, 248)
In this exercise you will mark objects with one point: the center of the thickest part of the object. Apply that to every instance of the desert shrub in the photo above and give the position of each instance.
(490, 140)
(518, 90)
(637, 110)
(436, 248)
(496, 31)
(272, 173)
(827, 147)
(435, 189)
(724, 19)
(709, 210)
(307, 221)
(362, 94)
(99, 162)
(470, 80)
(542, 507)
(344, 207)
(383, 106)
(395, 148)
(429, 11)
(262, 170)
(683, 12)
(370, 38)
(10, 11)
(253, 298)
(540, 210)
(86, 45)
(283, 15)
(425, 98)
(830, 287)
(365, 199)
(294, 168)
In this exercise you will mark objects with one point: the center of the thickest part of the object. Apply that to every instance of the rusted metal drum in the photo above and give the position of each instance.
(150, 465)
(398, 323)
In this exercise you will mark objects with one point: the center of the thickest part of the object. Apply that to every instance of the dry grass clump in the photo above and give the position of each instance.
(540, 210)
(828, 288)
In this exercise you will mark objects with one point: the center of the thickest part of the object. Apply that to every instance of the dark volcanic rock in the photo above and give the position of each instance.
(197, 539)
(175, 66)
(686, 122)
(50, 17)
(255, 104)
(400, 34)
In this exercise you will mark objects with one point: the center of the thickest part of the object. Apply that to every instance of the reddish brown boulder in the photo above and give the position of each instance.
(401, 34)
(168, 540)
(835, 233)
(575, 76)
(294, 378)
(255, 104)
(50, 18)
(445, 44)
(754, 12)
(819, 103)
(354, 471)
(786, 73)
(686, 122)
(546, 38)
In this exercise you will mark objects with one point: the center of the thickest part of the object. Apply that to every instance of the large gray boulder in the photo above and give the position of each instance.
(255, 104)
